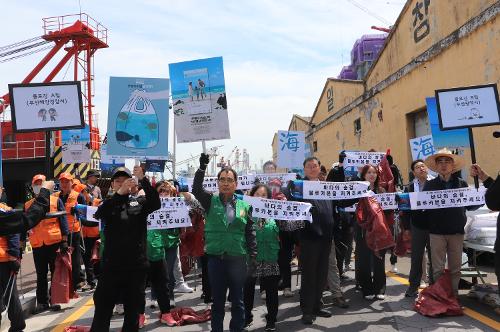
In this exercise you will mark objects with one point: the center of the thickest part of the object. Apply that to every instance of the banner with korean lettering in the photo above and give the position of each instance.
(210, 184)
(278, 209)
(361, 158)
(449, 198)
(174, 213)
(322, 190)
(291, 149)
(387, 201)
(283, 177)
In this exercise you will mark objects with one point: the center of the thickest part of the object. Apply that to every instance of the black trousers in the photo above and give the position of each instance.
(497, 260)
(314, 256)
(131, 286)
(76, 258)
(288, 240)
(89, 243)
(44, 258)
(343, 240)
(268, 284)
(370, 270)
(159, 284)
(205, 281)
(419, 242)
(15, 312)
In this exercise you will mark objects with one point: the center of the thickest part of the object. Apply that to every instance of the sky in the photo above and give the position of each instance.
(277, 54)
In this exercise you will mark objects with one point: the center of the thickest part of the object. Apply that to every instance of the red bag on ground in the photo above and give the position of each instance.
(184, 316)
(95, 252)
(403, 243)
(61, 289)
(438, 299)
(77, 328)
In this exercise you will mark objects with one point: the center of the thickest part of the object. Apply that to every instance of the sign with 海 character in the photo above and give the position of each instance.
(322, 190)
(449, 198)
(422, 147)
(291, 149)
(279, 210)
(211, 184)
(361, 158)
(174, 213)
(467, 107)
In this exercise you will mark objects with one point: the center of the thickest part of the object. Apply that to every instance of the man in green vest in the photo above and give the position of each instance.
(229, 242)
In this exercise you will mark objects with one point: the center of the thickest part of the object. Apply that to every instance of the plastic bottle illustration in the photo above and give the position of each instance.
(137, 122)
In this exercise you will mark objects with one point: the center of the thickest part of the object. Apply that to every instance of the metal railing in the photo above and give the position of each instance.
(23, 149)
(55, 24)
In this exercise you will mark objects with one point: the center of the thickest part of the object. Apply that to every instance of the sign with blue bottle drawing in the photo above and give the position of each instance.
(291, 149)
(199, 100)
(138, 117)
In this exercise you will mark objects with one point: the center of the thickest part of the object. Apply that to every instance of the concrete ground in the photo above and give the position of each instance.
(395, 313)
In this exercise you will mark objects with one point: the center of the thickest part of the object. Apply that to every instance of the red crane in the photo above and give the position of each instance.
(80, 36)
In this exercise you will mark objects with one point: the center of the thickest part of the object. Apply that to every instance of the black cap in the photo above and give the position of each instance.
(93, 172)
(121, 171)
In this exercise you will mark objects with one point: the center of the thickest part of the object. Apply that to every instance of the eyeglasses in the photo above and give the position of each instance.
(225, 180)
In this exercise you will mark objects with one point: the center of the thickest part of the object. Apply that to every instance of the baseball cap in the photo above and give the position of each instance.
(93, 172)
(38, 177)
(121, 171)
(66, 176)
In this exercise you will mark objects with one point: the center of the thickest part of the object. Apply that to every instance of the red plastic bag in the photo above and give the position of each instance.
(95, 252)
(403, 244)
(438, 299)
(184, 316)
(77, 328)
(61, 290)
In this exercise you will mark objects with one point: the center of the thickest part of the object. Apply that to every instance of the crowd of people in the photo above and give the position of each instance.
(238, 251)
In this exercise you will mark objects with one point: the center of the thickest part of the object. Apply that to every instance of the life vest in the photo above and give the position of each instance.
(48, 231)
(73, 224)
(4, 244)
(268, 243)
(92, 231)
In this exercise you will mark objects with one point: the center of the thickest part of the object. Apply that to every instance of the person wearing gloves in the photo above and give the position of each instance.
(45, 239)
(10, 263)
(229, 240)
(124, 260)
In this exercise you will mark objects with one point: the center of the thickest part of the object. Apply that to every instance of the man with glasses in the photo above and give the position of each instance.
(229, 239)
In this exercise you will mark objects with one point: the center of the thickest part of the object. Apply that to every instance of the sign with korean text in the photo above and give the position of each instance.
(466, 107)
(210, 184)
(90, 211)
(322, 190)
(278, 209)
(76, 145)
(174, 213)
(46, 106)
(440, 199)
(422, 147)
(361, 158)
(387, 201)
(199, 100)
(291, 149)
(283, 177)
(421, 26)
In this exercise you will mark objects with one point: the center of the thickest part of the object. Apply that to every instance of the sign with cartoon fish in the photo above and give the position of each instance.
(138, 117)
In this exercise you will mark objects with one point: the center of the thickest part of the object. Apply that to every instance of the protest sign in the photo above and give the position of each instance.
(422, 147)
(199, 100)
(439, 199)
(155, 165)
(283, 177)
(361, 158)
(387, 201)
(46, 106)
(322, 190)
(278, 209)
(210, 184)
(291, 149)
(108, 163)
(76, 145)
(138, 117)
(90, 211)
(174, 213)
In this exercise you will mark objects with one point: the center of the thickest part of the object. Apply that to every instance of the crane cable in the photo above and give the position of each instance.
(369, 12)
(26, 54)
(27, 41)
(24, 48)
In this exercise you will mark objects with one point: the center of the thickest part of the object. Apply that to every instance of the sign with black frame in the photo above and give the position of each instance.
(46, 106)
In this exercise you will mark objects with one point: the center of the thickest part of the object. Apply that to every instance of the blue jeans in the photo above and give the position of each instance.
(227, 272)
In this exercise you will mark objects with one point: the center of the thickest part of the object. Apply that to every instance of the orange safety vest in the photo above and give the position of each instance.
(48, 231)
(73, 224)
(92, 231)
(4, 244)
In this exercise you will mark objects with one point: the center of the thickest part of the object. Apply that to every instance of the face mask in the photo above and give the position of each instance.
(36, 189)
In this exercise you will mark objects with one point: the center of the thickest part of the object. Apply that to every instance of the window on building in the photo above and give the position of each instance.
(315, 146)
(357, 126)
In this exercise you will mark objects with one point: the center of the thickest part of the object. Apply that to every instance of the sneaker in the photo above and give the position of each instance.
(270, 326)
(287, 292)
(307, 319)
(55, 307)
(340, 302)
(394, 269)
(323, 313)
(369, 297)
(119, 310)
(142, 320)
(263, 295)
(183, 288)
(167, 319)
(40, 307)
(88, 287)
(380, 297)
(423, 284)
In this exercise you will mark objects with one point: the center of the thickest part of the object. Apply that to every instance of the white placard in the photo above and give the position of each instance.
(439, 199)
(75, 153)
(46, 106)
(291, 149)
(91, 210)
(468, 107)
(387, 201)
(422, 147)
(322, 190)
(283, 177)
(360, 158)
(210, 184)
(278, 209)
(174, 213)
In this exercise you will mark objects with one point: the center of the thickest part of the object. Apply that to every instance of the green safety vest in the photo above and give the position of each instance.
(160, 239)
(221, 237)
(268, 243)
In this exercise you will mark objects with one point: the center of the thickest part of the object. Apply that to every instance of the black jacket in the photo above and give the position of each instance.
(492, 198)
(124, 220)
(447, 221)
(417, 218)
